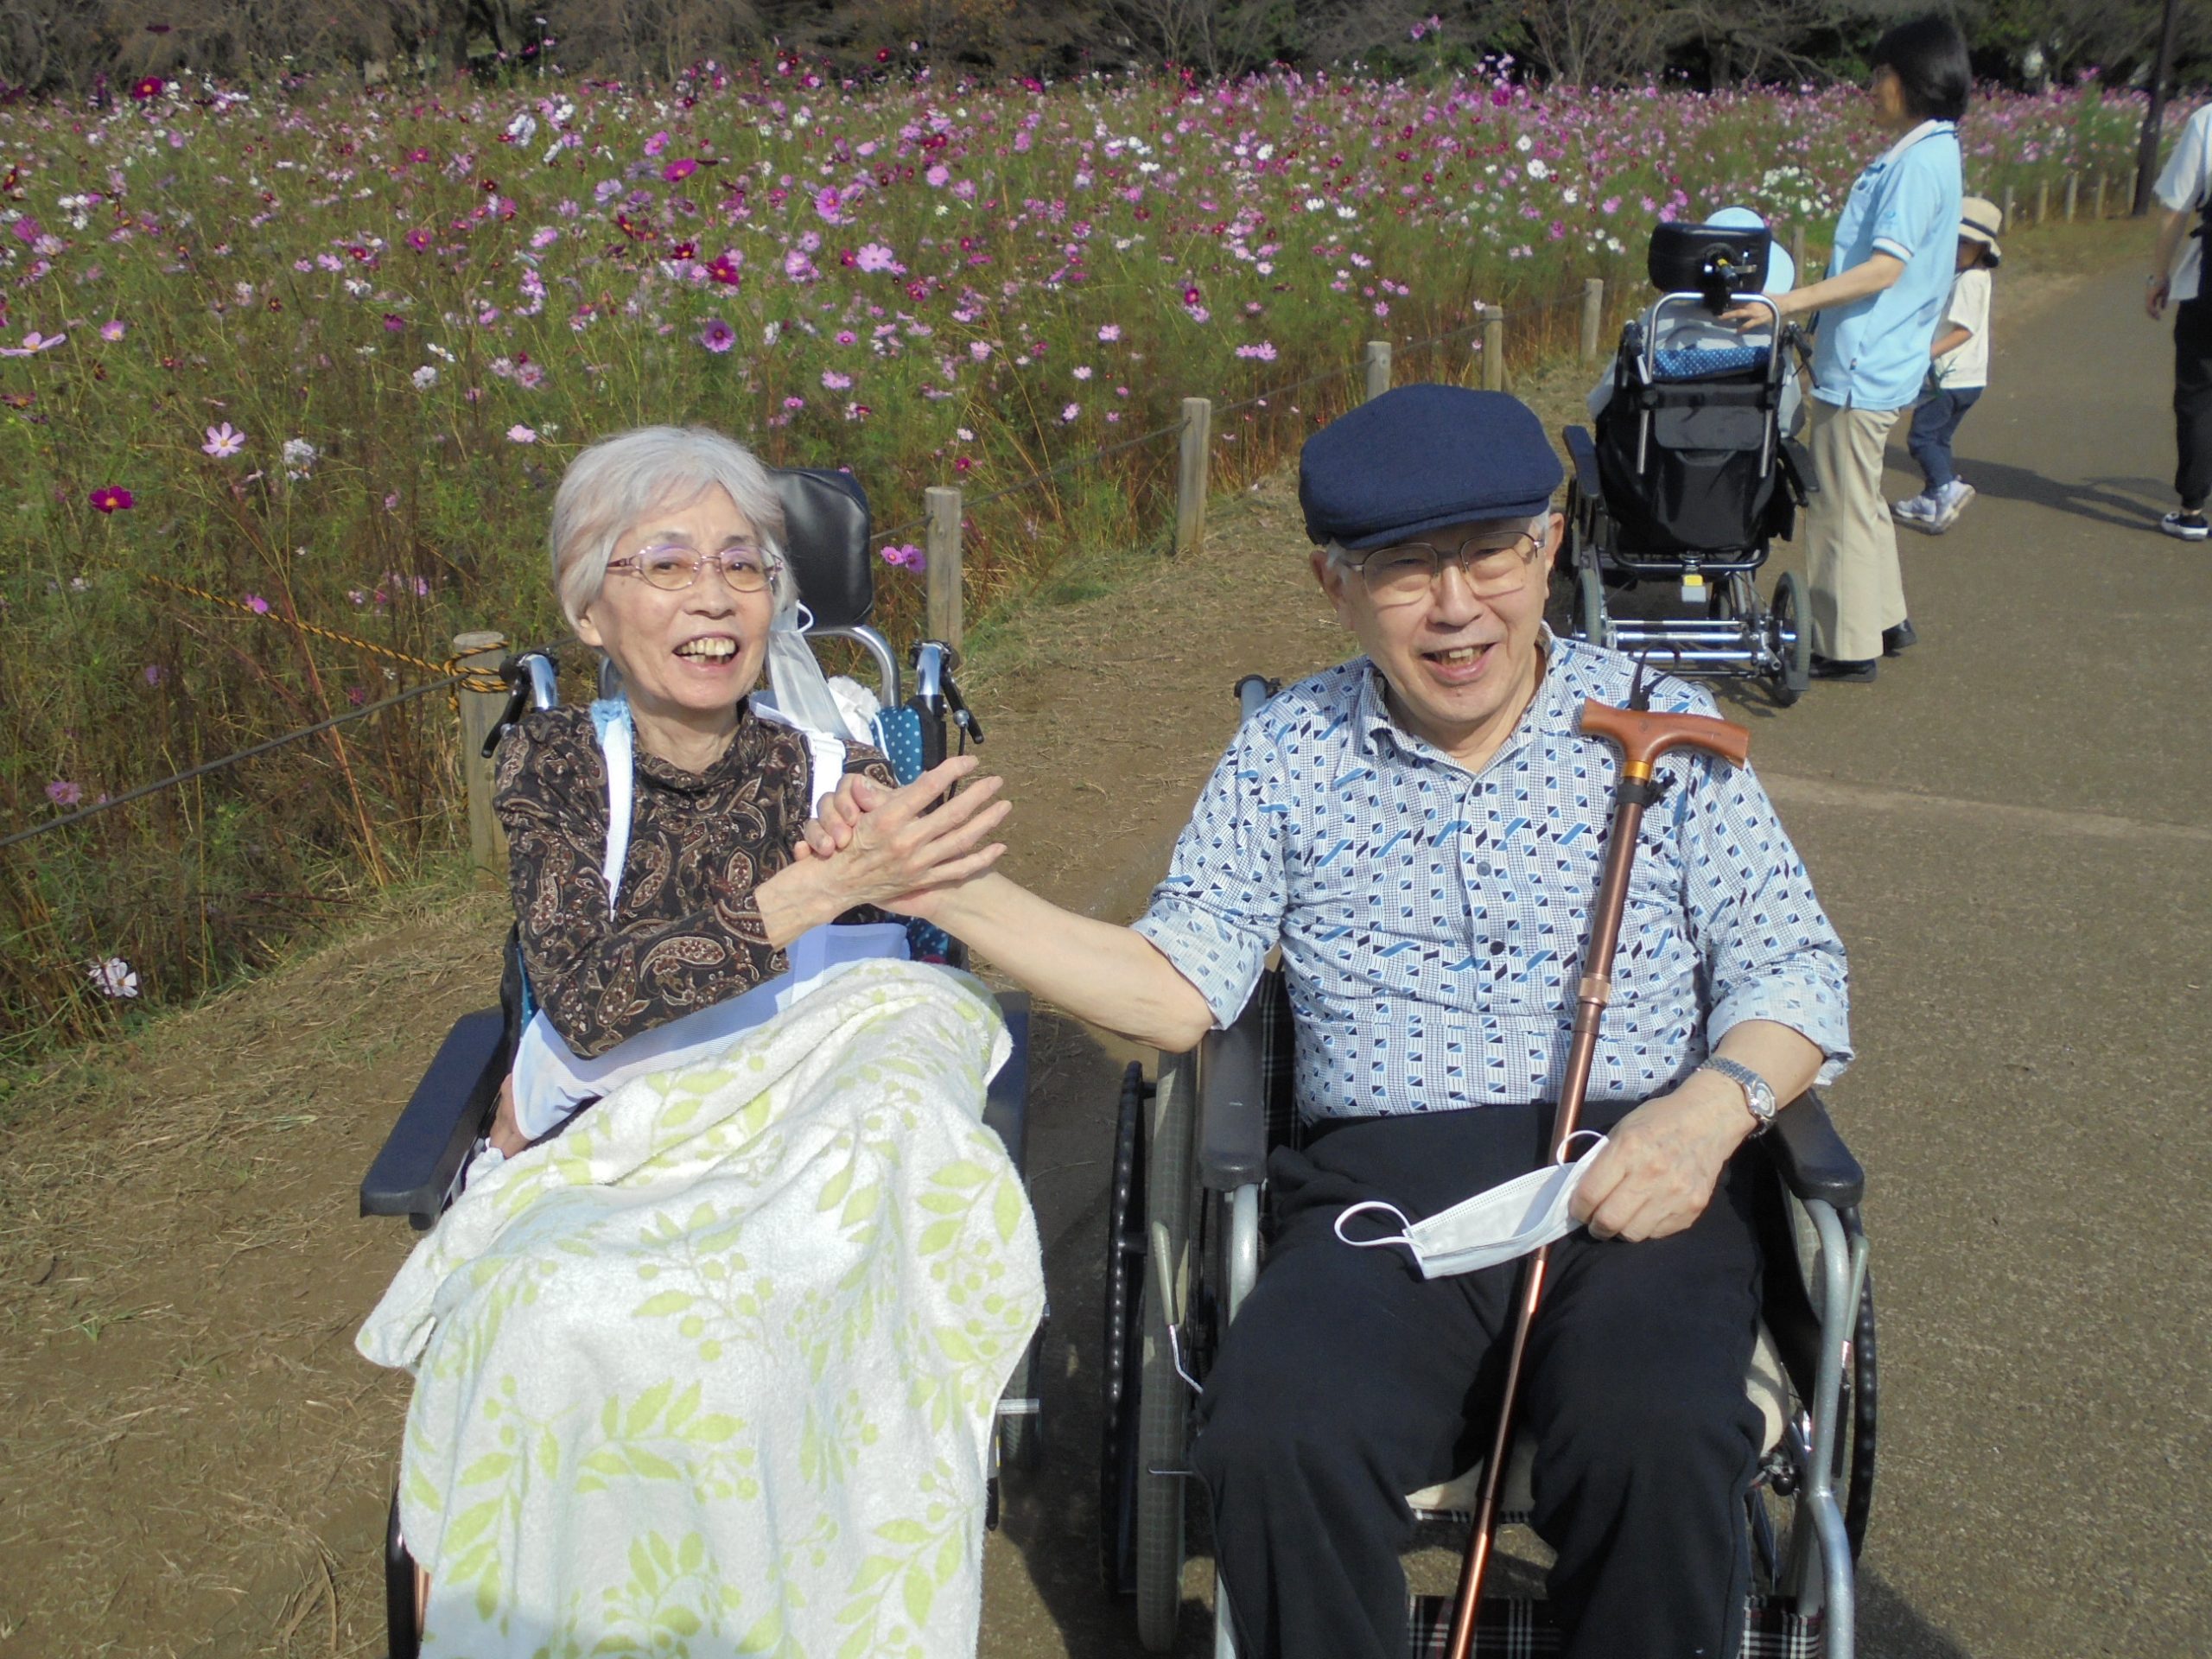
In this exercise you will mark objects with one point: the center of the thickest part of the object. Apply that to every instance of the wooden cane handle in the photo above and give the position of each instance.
(1641, 739)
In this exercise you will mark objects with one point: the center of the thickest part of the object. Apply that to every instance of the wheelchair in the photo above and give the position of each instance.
(1690, 478)
(1187, 1230)
(417, 1172)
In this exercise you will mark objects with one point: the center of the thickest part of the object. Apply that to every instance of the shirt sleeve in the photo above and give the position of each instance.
(598, 981)
(1220, 910)
(1768, 949)
(2181, 185)
(1912, 212)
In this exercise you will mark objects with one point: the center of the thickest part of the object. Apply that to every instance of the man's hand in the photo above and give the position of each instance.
(2156, 292)
(1658, 1168)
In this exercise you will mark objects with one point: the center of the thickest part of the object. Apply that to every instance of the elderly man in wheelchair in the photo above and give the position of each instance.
(708, 1344)
(1419, 832)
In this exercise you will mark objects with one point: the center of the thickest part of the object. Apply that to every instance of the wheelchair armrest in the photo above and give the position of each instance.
(415, 1169)
(1006, 1103)
(1582, 452)
(1233, 1107)
(1810, 1156)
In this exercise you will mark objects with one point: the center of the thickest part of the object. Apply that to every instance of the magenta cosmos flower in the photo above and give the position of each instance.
(716, 335)
(679, 169)
(62, 792)
(111, 497)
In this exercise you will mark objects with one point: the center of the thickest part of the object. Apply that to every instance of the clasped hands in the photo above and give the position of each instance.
(896, 848)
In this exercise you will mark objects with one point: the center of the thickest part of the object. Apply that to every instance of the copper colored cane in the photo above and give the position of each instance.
(1641, 739)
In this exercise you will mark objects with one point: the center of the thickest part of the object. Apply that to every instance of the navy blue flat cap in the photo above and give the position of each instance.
(1422, 457)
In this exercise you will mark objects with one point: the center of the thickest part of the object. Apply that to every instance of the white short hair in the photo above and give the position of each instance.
(616, 482)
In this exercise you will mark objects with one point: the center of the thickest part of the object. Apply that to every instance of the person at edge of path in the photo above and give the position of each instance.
(1958, 374)
(1420, 830)
(2184, 190)
(1888, 278)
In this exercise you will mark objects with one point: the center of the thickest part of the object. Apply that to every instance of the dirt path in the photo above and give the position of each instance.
(192, 1460)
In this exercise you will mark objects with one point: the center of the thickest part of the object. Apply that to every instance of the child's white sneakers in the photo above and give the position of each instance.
(1933, 512)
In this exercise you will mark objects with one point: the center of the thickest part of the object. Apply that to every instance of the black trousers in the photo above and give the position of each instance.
(2193, 402)
(1347, 1381)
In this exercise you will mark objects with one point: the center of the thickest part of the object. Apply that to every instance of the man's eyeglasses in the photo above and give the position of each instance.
(672, 568)
(1407, 573)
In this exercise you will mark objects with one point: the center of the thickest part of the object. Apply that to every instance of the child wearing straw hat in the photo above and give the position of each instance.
(1957, 373)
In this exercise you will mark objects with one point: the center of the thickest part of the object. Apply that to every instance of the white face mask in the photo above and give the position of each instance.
(1502, 1224)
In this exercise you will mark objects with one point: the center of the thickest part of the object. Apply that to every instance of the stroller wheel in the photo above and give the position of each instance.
(1591, 623)
(1789, 639)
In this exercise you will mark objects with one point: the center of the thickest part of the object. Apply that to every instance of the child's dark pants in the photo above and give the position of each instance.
(1934, 425)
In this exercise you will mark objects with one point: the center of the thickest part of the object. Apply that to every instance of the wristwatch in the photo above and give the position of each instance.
(1758, 1093)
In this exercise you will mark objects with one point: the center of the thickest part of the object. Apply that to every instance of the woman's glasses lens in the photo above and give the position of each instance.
(674, 568)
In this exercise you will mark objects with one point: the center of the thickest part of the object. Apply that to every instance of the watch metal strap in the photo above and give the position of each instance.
(1758, 1093)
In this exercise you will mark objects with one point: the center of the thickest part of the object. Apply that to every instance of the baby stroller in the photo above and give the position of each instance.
(1690, 475)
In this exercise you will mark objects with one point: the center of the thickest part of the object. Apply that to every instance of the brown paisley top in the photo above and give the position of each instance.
(687, 932)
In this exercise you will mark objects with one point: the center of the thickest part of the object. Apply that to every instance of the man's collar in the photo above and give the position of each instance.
(1924, 130)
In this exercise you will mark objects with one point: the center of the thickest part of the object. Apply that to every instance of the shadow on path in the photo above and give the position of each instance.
(2115, 503)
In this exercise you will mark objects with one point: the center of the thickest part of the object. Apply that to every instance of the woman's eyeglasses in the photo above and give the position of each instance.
(673, 568)
(1407, 573)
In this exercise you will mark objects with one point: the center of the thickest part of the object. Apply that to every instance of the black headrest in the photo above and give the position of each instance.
(825, 536)
(1711, 260)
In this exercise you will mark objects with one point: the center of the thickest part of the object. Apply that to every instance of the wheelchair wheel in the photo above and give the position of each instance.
(1857, 1474)
(1121, 1351)
(1163, 1400)
(1791, 640)
(1591, 623)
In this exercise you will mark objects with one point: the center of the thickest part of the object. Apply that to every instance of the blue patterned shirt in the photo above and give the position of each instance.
(1432, 920)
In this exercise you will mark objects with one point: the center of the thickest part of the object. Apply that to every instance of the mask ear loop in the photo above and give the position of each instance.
(1560, 1152)
(1369, 1243)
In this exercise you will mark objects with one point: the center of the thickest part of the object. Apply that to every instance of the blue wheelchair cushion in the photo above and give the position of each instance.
(1698, 362)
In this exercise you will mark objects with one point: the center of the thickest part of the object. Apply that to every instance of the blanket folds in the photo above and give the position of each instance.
(713, 1372)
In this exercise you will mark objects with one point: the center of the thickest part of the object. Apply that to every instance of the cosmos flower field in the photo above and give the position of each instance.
(321, 355)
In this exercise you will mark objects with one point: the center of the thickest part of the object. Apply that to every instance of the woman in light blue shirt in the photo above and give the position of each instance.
(1878, 307)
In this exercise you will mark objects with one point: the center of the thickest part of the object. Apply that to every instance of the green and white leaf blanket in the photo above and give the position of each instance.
(713, 1372)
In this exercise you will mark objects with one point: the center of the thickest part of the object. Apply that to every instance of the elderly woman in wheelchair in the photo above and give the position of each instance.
(708, 1347)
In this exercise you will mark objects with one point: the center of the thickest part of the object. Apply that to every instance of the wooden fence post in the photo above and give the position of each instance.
(1797, 253)
(2005, 208)
(1494, 348)
(2043, 202)
(1375, 365)
(943, 594)
(1593, 315)
(1191, 469)
(480, 712)
(2097, 198)
(2073, 189)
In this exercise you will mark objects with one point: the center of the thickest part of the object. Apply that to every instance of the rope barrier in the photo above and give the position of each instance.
(462, 679)
(143, 790)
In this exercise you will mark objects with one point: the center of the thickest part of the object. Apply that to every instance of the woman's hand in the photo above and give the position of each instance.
(1755, 316)
(505, 1133)
(887, 849)
(2156, 292)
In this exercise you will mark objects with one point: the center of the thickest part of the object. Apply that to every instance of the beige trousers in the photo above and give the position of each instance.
(1850, 546)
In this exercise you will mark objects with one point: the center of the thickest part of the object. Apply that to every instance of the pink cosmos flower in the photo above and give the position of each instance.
(256, 604)
(716, 335)
(223, 441)
(1071, 412)
(27, 229)
(33, 343)
(938, 177)
(679, 169)
(113, 329)
(833, 381)
(111, 497)
(62, 792)
(521, 434)
(1110, 333)
(829, 204)
(874, 255)
(155, 673)
(418, 239)
(979, 349)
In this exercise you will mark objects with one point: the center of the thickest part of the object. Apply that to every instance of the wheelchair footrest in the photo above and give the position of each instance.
(1516, 1627)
